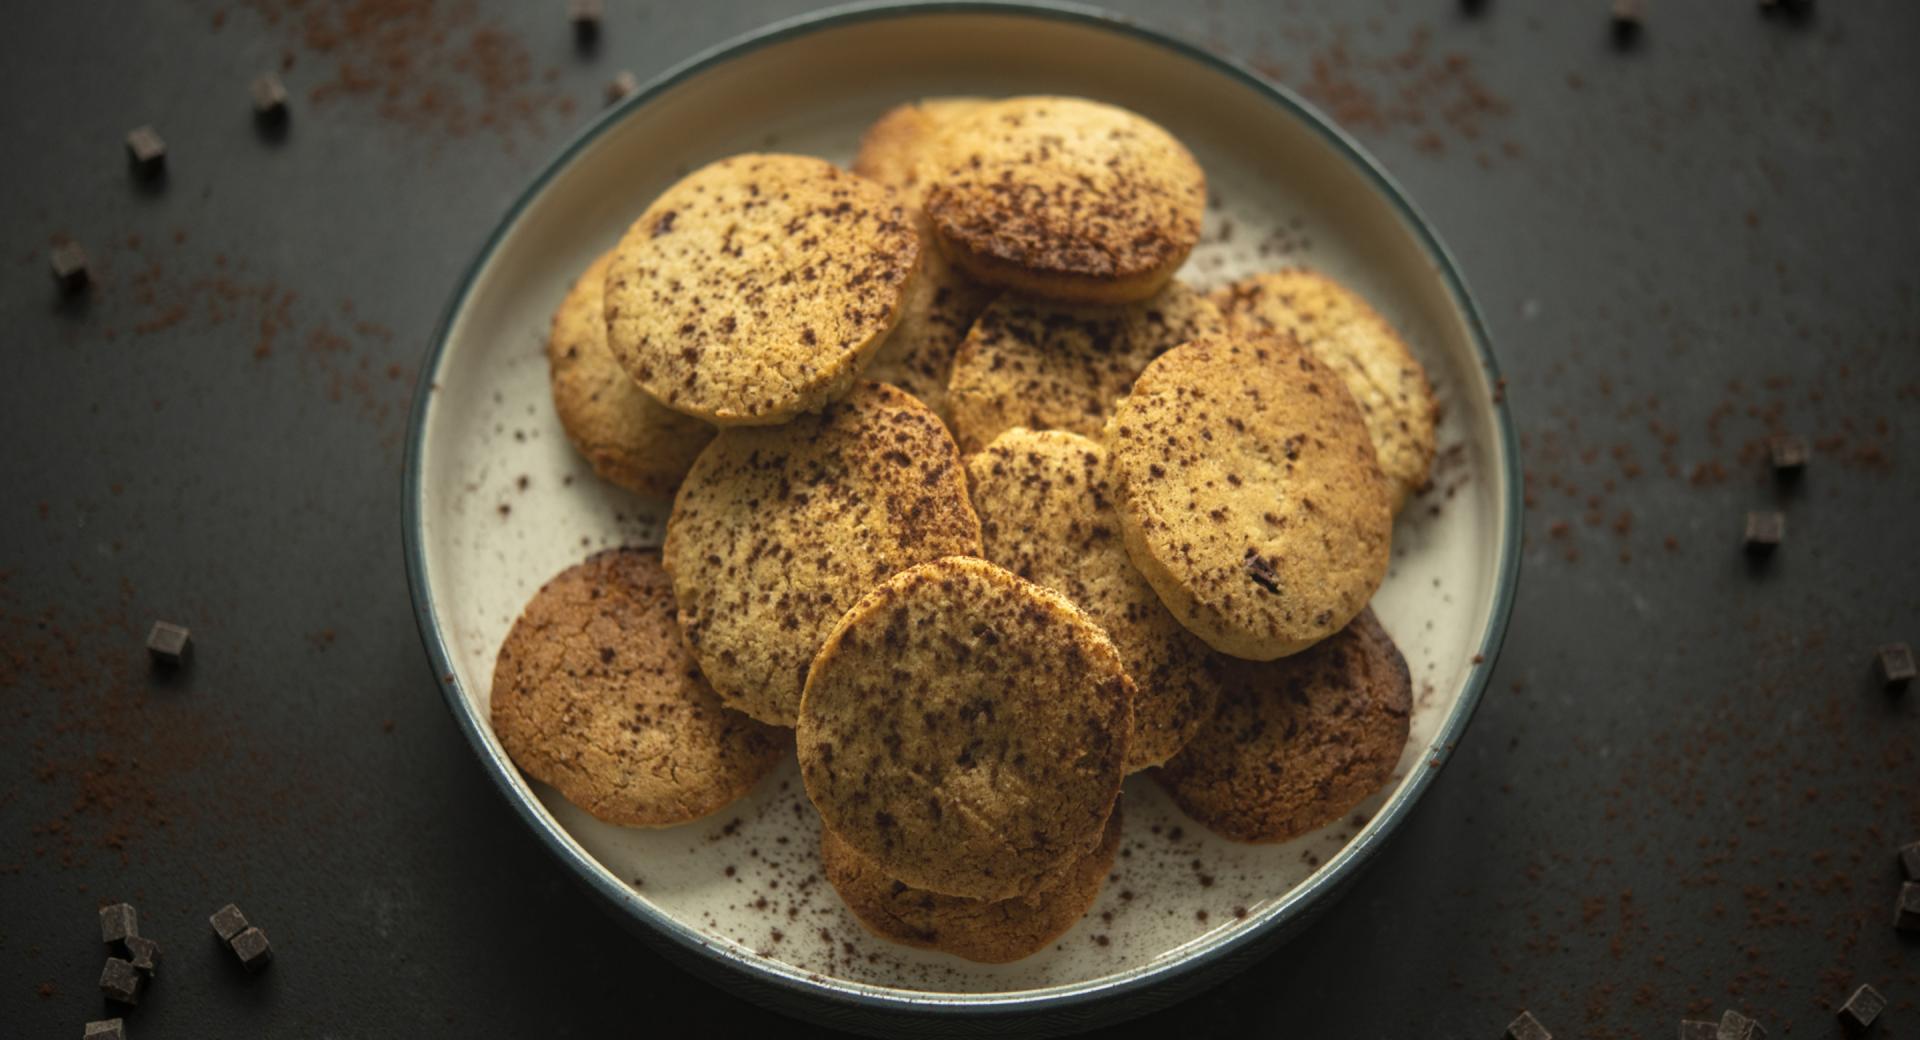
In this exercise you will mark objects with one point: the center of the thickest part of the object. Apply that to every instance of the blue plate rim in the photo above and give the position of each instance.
(807, 986)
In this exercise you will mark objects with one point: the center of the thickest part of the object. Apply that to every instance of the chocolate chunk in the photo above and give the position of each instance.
(228, 922)
(1527, 1027)
(621, 87)
(1910, 860)
(118, 923)
(147, 151)
(1736, 1026)
(145, 953)
(1697, 1030)
(252, 949)
(1861, 1009)
(70, 267)
(1627, 16)
(269, 98)
(585, 15)
(1789, 454)
(120, 981)
(1261, 571)
(105, 1029)
(1896, 665)
(169, 644)
(1906, 913)
(1765, 530)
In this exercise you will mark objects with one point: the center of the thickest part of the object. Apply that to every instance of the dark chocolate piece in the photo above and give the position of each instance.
(1910, 860)
(1736, 1026)
(170, 644)
(1896, 665)
(1862, 1009)
(621, 87)
(69, 263)
(269, 98)
(106, 1029)
(145, 953)
(1261, 571)
(119, 922)
(252, 949)
(1765, 531)
(147, 151)
(585, 15)
(1906, 913)
(120, 981)
(1627, 16)
(1527, 1027)
(228, 922)
(1789, 454)
(1693, 1029)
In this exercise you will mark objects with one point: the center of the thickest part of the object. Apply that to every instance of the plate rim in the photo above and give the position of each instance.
(1304, 898)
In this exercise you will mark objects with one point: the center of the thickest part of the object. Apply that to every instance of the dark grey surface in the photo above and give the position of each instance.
(1682, 793)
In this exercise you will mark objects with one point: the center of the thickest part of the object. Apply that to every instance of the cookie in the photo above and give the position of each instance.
(1046, 514)
(1065, 198)
(1049, 366)
(777, 531)
(966, 731)
(595, 695)
(1249, 494)
(628, 438)
(893, 149)
(992, 932)
(1297, 742)
(1339, 326)
(755, 288)
(918, 355)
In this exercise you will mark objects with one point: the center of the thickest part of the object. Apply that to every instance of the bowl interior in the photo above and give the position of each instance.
(503, 503)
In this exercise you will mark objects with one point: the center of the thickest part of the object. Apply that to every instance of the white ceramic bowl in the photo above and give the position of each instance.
(497, 502)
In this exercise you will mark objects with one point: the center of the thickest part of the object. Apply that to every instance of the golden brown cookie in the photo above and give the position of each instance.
(756, 287)
(777, 531)
(918, 355)
(966, 731)
(1046, 514)
(1050, 366)
(894, 147)
(1249, 494)
(629, 438)
(1065, 198)
(992, 932)
(1299, 741)
(594, 693)
(1339, 326)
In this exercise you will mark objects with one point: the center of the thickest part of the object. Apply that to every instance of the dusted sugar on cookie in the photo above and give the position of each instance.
(1066, 198)
(893, 149)
(628, 438)
(1046, 514)
(777, 531)
(1344, 331)
(595, 694)
(966, 731)
(918, 355)
(1050, 366)
(1250, 495)
(988, 931)
(756, 287)
(1297, 742)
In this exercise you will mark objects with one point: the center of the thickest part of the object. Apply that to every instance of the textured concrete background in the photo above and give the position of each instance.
(1682, 793)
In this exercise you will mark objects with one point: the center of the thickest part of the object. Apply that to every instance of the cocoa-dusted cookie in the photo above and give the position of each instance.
(918, 355)
(629, 438)
(1249, 494)
(1051, 366)
(594, 693)
(989, 931)
(966, 731)
(1046, 514)
(893, 149)
(1065, 198)
(1339, 326)
(1299, 741)
(777, 531)
(756, 287)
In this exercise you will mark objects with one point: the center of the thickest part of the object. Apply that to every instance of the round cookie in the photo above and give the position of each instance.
(1299, 741)
(628, 438)
(756, 287)
(966, 731)
(1344, 331)
(918, 355)
(594, 694)
(894, 147)
(1048, 366)
(1249, 494)
(991, 932)
(777, 531)
(1065, 198)
(1046, 514)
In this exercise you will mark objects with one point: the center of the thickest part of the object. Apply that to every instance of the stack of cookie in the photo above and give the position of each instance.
(981, 504)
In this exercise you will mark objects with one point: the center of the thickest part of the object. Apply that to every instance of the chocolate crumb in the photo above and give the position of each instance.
(621, 87)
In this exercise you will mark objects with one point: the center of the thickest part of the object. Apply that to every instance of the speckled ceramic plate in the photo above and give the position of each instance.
(497, 502)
